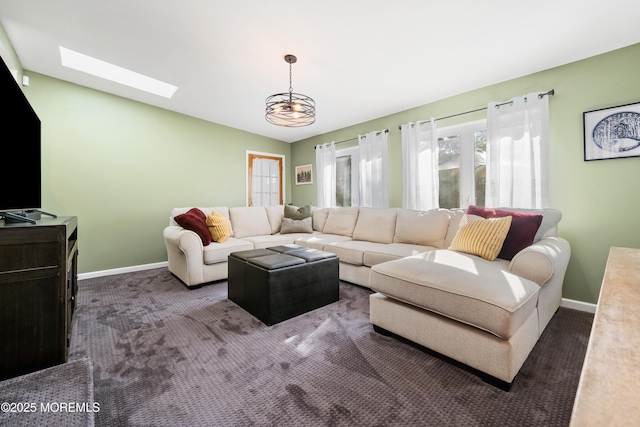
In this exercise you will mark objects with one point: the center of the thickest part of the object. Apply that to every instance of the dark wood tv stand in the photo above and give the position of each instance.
(38, 286)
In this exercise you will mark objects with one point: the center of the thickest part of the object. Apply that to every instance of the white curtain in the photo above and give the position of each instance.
(518, 152)
(326, 174)
(420, 180)
(374, 188)
(265, 182)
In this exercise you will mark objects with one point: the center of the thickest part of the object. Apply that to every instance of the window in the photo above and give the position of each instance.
(264, 179)
(462, 164)
(347, 177)
(354, 176)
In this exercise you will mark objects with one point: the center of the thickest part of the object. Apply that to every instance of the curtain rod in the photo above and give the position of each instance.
(353, 139)
(548, 93)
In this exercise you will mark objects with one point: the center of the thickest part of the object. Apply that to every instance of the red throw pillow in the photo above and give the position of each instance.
(195, 220)
(524, 227)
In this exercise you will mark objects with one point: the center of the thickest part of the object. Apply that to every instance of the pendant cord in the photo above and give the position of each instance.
(290, 84)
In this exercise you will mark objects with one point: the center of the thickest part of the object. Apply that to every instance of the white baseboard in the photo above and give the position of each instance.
(568, 303)
(578, 305)
(122, 270)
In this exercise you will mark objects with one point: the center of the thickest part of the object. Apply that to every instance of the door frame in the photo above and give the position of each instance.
(250, 155)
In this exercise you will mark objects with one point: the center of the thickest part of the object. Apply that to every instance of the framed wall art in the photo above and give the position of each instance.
(304, 174)
(612, 133)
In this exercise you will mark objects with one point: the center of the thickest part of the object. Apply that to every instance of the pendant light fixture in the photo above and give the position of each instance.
(290, 109)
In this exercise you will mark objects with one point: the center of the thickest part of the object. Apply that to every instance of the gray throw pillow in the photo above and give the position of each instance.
(295, 212)
(296, 226)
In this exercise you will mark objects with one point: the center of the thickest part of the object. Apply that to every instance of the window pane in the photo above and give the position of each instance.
(264, 179)
(343, 181)
(449, 171)
(265, 182)
(480, 139)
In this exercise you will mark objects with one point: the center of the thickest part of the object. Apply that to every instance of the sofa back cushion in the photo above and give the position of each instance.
(275, 214)
(376, 225)
(249, 221)
(319, 218)
(455, 215)
(341, 221)
(427, 228)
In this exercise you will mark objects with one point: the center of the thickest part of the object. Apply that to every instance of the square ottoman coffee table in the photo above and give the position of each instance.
(282, 282)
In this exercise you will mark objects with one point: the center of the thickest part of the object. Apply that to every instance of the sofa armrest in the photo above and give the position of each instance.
(185, 240)
(184, 253)
(540, 261)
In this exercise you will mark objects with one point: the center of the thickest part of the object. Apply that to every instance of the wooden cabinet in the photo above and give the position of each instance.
(38, 286)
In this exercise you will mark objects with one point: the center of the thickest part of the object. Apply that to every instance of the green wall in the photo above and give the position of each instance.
(120, 166)
(598, 199)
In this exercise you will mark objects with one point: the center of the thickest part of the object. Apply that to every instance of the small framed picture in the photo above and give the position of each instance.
(612, 133)
(304, 174)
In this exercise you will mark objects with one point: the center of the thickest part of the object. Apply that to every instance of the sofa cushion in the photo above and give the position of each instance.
(296, 220)
(266, 241)
(275, 214)
(319, 218)
(352, 252)
(341, 221)
(222, 210)
(481, 236)
(550, 220)
(393, 251)
(524, 227)
(427, 228)
(295, 212)
(462, 287)
(455, 215)
(319, 241)
(296, 226)
(249, 221)
(375, 225)
(194, 220)
(219, 252)
(219, 227)
(549, 225)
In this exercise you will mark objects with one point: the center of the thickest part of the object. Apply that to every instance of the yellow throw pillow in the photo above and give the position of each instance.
(219, 227)
(479, 236)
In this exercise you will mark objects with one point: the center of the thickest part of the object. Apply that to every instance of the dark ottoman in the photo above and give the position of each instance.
(279, 283)
(236, 267)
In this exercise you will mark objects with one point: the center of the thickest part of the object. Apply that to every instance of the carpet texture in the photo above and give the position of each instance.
(166, 355)
(58, 396)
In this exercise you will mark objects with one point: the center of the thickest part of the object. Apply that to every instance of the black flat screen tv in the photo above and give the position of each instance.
(20, 151)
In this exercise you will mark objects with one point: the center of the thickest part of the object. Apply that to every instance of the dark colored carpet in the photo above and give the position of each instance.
(58, 396)
(167, 355)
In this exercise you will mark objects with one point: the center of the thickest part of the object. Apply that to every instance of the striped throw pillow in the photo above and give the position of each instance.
(479, 236)
(219, 227)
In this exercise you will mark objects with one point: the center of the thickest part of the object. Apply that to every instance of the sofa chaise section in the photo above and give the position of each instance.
(485, 314)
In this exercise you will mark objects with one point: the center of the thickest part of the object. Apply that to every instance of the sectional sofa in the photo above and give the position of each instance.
(486, 312)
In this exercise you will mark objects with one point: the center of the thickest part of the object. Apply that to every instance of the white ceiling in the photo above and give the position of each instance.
(359, 59)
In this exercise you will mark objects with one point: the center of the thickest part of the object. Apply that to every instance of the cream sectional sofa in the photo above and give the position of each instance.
(485, 314)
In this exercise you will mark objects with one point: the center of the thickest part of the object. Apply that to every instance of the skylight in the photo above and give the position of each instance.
(108, 71)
